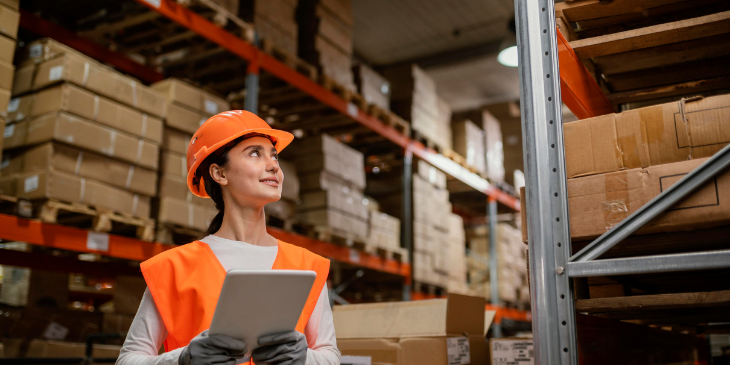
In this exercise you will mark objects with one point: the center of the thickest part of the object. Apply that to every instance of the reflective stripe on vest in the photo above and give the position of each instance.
(185, 283)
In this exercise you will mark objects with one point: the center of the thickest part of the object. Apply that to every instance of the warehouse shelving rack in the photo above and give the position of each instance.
(257, 60)
(544, 53)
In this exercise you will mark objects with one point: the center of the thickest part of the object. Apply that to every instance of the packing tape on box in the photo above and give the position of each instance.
(86, 73)
(189, 196)
(135, 202)
(682, 104)
(78, 162)
(134, 93)
(139, 150)
(83, 190)
(130, 174)
(144, 124)
(96, 107)
(617, 195)
(112, 144)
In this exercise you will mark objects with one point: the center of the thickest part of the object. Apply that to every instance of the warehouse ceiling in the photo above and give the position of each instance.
(456, 42)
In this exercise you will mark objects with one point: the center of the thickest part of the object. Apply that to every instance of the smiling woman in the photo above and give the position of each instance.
(233, 158)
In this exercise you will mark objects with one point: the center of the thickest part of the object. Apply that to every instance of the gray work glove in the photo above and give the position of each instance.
(213, 349)
(288, 348)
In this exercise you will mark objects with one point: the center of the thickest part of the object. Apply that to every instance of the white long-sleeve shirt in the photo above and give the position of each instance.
(148, 331)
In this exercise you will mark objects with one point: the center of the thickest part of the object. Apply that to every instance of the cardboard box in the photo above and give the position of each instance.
(506, 351)
(50, 184)
(350, 204)
(128, 292)
(22, 287)
(649, 136)
(430, 174)
(4, 103)
(93, 76)
(67, 128)
(12, 4)
(185, 214)
(7, 71)
(45, 49)
(372, 86)
(324, 153)
(323, 180)
(421, 332)
(469, 142)
(189, 96)
(84, 164)
(176, 187)
(176, 141)
(9, 21)
(7, 49)
(290, 184)
(41, 348)
(184, 119)
(339, 222)
(75, 100)
(173, 164)
(599, 202)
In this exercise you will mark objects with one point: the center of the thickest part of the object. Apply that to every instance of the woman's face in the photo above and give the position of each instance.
(252, 175)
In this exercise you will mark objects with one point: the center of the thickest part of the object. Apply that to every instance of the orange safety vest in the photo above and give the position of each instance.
(185, 283)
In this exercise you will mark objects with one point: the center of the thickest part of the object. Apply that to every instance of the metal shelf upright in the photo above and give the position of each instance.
(552, 263)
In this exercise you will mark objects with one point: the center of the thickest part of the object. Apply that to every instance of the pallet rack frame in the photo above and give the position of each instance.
(550, 257)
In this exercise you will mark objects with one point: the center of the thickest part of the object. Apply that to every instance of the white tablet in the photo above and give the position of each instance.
(255, 303)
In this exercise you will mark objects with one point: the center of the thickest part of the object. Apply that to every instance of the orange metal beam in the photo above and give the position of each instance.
(247, 51)
(123, 63)
(578, 89)
(68, 238)
(343, 254)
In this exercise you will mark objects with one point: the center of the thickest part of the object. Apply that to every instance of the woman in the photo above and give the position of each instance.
(233, 159)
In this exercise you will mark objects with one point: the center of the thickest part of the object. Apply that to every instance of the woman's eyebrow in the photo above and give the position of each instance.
(254, 147)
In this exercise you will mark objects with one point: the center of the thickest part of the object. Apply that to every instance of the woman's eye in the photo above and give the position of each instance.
(275, 157)
(255, 153)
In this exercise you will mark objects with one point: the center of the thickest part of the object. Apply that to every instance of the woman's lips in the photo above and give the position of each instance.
(270, 182)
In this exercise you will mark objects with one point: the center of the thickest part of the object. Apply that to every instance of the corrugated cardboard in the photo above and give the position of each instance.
(290, 185)
(184, 119)
(186, 95)
(9, 21)
(45, 49)
(41, 348)
(12, 4)
(507, 351)
(173, 164)
(185, 214)
(647, 136)
(430, 174)
(7, 71)
(418, 351)
(457, 315)
(83, 103)
(7, 49)
(67, 128)
(469, 142)
(2, 127)
(93, 76)
(350, 204)
(4, 103)
(599, 202)
(128, 292)
(175, 141)
(337, 221)
(323, 180)
(176, 187)
(372, 86)
(495, 150)
(84, 164)
(33, 288)
(50, 184)
(324, 153)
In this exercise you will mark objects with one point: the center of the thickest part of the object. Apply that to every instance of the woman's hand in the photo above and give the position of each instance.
(288, 348)
(213, 349)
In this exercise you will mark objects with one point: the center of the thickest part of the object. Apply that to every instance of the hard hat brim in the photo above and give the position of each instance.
(283, 139)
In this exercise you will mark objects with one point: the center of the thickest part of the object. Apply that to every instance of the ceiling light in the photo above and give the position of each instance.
(508, 49)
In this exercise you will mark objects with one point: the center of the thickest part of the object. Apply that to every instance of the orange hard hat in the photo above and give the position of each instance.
(220, 129)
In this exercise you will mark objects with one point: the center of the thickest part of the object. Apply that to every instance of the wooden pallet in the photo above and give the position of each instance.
(289, 59)
(388, 253)
(389, 118)
(452, 155)
(80, 216)
(221, 16)
(328, 234)
(643, 52)
(427, 142)
(349, 95)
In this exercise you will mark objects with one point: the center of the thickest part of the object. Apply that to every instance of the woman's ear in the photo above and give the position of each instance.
(218, 174)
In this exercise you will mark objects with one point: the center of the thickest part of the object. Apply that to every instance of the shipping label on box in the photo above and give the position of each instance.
(506, 351)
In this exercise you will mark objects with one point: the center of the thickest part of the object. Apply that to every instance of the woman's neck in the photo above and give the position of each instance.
(245, 224)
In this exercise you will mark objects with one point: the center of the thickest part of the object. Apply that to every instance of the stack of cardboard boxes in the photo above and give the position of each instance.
(493, 147)
(414, 98)
(372, 86)
(332, 180)
(80, 132)
(286, 207)
(616, 163)
(457, 255)
(384, 231)
(9, 20)
(187, 108)
(511, 263)
(275, 22)
(469, 142)
(325, 38)
(440, 331)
